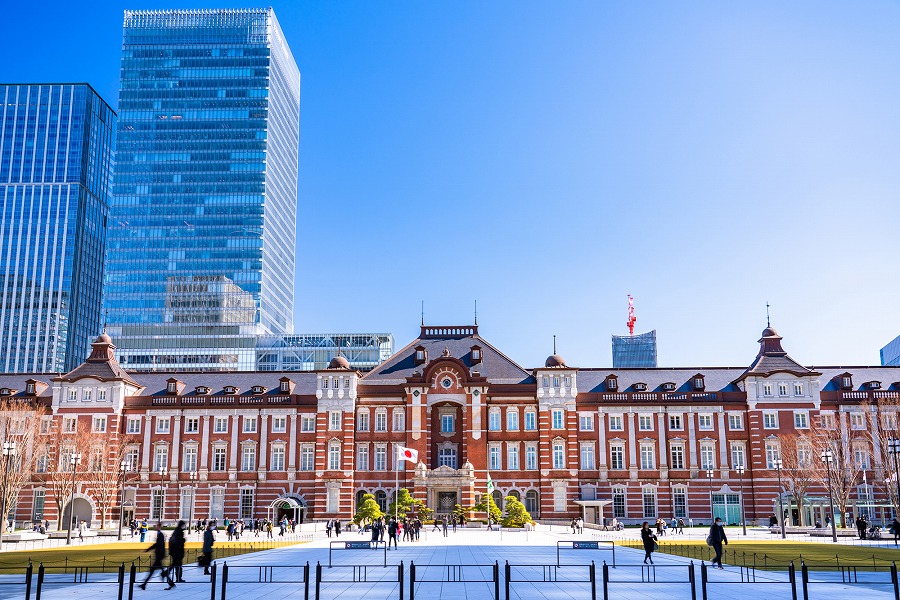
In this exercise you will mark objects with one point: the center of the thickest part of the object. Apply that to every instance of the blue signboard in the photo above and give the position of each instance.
(358, 545)
(585, 546)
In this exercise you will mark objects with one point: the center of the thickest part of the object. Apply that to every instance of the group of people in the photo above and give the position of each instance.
(176, 554)
(577, 525)
(716, 539)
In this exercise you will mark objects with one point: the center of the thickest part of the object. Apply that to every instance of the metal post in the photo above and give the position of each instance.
(132, 575)
(400, 578)
(692, 577)
(9, 448)
(605, 581)
(496, 580)
(828, 458)
(703, 580)
(893, 580)
(74, 459)
(29, 571)
(740, 471)
(224, 578)
(592, 575)
(40, 582)
(319, 578)
(121, 581)
(792, 577)
(778, 465)
(212, 582)
(804, 578)
(894, 448)
(122, 468)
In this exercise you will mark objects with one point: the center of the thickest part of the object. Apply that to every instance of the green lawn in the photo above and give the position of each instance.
(777, 553)
(108, 557)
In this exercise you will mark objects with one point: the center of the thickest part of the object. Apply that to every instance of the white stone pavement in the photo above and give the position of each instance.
(470, 547)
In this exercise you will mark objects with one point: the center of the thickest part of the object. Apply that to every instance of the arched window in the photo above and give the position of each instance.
(381, 499)
(532, 503)
(498, 498)
(359, 497)
(515, 495)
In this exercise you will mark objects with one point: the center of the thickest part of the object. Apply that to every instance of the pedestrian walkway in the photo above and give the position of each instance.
(471, 554)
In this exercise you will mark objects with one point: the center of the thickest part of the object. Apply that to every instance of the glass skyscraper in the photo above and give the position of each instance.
(634, 351)
(56, 143)
(200, 257)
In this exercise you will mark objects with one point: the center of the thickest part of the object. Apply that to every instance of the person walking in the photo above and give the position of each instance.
(159, 554)
(444, 525)
(895, 529)
(143, 530)
(716, 539)
(176, 552)
(392, 533)
(649, 541)
(337, 528)
(207, 551)
(328, 526)
(681, 526)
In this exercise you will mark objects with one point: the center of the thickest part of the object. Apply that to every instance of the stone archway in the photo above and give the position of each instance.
(83, 511)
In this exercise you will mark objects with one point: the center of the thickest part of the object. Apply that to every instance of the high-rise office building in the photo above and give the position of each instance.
(56, 143)
(200, 259)
(634, 351)
(890, 354)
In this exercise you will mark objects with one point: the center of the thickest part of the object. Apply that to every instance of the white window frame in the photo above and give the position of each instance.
(801, 419)
(279, 424)
(133, 425)
(648, 456)
(250, 425)
(770, 419)
(163, 425)
(586, 422)
(676, 423)
(557, 419)
(705, 422)
(735, 422)
(645, 422)
(192, 424)
(530, 420)
(616, 423)
(220, 424)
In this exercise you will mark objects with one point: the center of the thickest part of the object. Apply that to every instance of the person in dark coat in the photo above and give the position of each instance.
(716, 539)
(895, 529)
(207, 551)
(649, 542)
(392, 533)
(376, 529)
(176, 552)
(159, 554)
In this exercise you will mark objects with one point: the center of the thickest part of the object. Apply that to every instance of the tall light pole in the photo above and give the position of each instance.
(894, 449)
(163, 471)
(709, 475)
(193, 477)
(828, 458)
(778, 464)
(9, 450)
(123, 468)
(74, 459)
(740, 471)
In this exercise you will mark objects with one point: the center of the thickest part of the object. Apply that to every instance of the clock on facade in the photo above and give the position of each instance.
(446, 383)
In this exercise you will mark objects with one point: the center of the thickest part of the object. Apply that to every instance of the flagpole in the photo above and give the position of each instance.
(396, 481)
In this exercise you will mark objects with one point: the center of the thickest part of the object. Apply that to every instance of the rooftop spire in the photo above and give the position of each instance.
(768, 322)
(554, 344)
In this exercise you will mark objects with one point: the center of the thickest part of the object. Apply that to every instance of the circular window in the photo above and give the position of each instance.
(446, 383)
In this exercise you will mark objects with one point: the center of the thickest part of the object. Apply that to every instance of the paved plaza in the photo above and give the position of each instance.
(276, 574)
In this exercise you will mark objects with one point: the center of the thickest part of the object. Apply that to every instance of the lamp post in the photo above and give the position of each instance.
(193, 477)
(123, 468)
(778, 464)
(163, 471)
(894, 449)
(9, 450)
(740, 471)
(709, 475)
(828, 458)
(74, 459)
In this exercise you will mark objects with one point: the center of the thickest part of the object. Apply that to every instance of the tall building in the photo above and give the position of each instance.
(56, 143)
(200, 257)
(890, 354)
(634, 351)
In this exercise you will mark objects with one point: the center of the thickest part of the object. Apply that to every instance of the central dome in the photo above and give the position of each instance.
(554, 360)
(339, 362)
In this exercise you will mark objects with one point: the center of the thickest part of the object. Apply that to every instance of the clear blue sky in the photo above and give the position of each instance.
(548, 158)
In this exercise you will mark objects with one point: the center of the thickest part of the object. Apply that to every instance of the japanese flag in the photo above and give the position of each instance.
(408, 454)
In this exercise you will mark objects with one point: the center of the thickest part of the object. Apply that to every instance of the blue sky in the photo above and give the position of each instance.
(549, 158)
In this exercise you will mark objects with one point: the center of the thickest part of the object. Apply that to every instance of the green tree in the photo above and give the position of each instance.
(516, 515)
(407, 504)
(367, 511)
(461, 514)
(487, 505)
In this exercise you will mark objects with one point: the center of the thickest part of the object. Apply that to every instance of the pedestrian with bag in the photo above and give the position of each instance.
(649, 540)
(715, 539)
(176, 552)
(392, 533)
(207, 551)
(159, 554)
(895, 529)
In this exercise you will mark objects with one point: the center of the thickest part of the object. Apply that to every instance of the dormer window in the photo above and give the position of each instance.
(201, 390)
(4, 391)
(171, 387)
(475, 354)
(284, 385)
(258, 389)
(640, 387)
(668, 386)
(612, 383)
(421, 355)
(29, 388)
(230, 389)
(874, 385)
(699, 383)
(847, 381)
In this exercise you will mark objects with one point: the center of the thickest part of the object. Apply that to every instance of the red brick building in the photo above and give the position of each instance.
(630, 443)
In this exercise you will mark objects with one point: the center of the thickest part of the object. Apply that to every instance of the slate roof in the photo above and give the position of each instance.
(101, 364)
(494, 365)
(716, 379)
(16, 381)
(830, 378)
(155, 383)
(773, 359)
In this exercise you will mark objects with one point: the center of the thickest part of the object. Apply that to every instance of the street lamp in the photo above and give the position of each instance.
(123, 468)
(778, 464)
(74, 459)
(710, 473)
(894, 449)
(740, 471)
(9, 450)
(163, 471)
(193, 477)
(828, 458)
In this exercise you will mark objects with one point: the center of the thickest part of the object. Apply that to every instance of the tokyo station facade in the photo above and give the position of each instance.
(599, 443)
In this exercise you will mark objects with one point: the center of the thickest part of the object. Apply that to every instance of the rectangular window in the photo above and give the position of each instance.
(248, 458)
(279, 424)
(131, 459)
(735, 422)
(707, 455)
(192, 425)
(73, 395)
(512, 420)
(804, 455)
(156, 508)
(133, 425)
(380, 419)
(47, 423)
(185, 504)
(889, 421)
(99, 425)
(767, 389)
(42, 464)
(827, 420)
(772, 454)
(37, 506)
(782, 389)
(738, 455)
(399, 420)
(617, 457)
(494, 420)
(556, 418)
(217, 503)
(101, 396)
(362, 420)
(675, 423)
(677, 454)
(801, 420)
(494, 458)
(307, 457)
(249, 424)
(648, 456)
(798, 389)
(277, 459)
(649, 501)
(645, 422)
(530, 420)
(447, 424)
(559, 499)
(679, 501)
(587, 457)
(247, 501)
(512, 457)
(220, 425)
(857, 421)
(770, 419)
(618, 497)
(559, 456)
(586, 422)
(163, 425)
(332, 500)
(334, 456)
(705, 422)
(380, 458)
(362, 457)
(530, 457)
(219, 458)
(307, 423)
(189, 463)
(334, 420)
(861, 457)
(160, 458)
(447, 457)
(615, 423)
